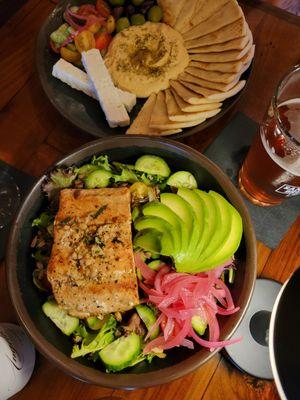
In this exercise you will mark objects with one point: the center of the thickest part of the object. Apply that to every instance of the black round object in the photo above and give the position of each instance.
(251, 354)
(78, 108)
(284, 339)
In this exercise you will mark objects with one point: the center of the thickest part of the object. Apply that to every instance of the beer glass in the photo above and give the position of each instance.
(271, 170)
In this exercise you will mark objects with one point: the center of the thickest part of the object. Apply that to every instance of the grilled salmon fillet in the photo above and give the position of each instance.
(91, 268)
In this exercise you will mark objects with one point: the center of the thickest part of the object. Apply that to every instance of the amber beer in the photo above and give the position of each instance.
(271, 170)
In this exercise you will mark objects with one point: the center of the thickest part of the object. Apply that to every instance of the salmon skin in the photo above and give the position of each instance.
(91, 268)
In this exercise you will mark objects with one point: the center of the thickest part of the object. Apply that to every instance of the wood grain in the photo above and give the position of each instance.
(33, 135)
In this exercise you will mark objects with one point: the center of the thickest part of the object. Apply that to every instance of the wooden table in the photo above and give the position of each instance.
(33, 136)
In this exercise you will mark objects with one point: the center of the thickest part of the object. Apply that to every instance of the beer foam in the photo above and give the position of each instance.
(290, 163)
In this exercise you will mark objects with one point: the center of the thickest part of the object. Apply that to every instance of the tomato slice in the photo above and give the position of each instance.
(103, 8)
(103, 40)
(84, 41)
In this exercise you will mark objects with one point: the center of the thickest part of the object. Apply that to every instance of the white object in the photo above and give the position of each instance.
(17, 358)
(78, 79)
(107, 94)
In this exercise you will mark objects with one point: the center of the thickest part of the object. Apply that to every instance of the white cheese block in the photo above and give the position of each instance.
(127, 98)
(78, 79)
(107, 94)
(73, 76)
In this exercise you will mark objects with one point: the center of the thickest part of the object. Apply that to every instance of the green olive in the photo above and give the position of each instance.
(117, 2)
(155, 14)
(137, 19)
(122, 23)
(137, 2)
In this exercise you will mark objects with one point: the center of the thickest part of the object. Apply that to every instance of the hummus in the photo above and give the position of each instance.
(142, 59)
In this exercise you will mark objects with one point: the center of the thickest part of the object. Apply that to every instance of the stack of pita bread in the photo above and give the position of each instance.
(220, 47)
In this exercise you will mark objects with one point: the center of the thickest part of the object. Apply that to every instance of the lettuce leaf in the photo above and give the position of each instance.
(92, 343)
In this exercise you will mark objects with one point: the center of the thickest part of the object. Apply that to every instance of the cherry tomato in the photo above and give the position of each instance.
(87, 9)
(103, 8)
(84, 41)
(102, 40)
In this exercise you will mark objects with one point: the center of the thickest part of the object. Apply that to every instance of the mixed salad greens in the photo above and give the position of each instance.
(184, 243)
(91, 26)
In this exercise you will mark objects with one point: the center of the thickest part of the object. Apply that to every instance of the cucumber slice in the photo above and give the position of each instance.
(149, 319)
(120, 353)
(199, 325)
(98, 179)
(60, 318)
(182, 179)
(153, 165)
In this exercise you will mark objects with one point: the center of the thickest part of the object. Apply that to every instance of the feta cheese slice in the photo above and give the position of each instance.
(73, 76)
(78, 79)
(114, 110)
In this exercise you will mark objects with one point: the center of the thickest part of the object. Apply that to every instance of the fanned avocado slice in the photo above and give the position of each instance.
(211, 220)
(222, 230)
(157, 209)
(149, 240)
(183, 210)
(158, 224)
(197, 206)
(230, 244)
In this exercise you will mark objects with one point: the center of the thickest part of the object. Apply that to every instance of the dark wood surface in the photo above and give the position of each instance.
(33, 135)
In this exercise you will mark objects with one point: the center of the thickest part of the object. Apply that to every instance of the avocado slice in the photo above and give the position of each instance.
(198, 214)
(230, 244)
(211, 220)
(185, 213)
(149, 240)
(158, 224)
(222, 230)
(157, 209)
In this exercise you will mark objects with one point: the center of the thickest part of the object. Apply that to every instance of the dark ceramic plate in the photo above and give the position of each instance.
(81, 110)
(284, 339)
(27, 300)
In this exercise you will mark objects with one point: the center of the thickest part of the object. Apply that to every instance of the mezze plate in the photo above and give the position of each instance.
(79, 109)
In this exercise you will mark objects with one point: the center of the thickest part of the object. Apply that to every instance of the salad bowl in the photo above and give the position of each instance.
(27, 300)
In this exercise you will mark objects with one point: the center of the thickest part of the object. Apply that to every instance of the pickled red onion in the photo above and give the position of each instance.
(179, 297)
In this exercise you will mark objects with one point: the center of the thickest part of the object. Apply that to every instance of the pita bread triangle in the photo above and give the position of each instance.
(215, 76)
(160, 119)
(232, 31)
(140, 125)
(187, 107)
(188, 95)
(177, 115)
(225, 56)
(222, 87)
(186, 14)
(234, 44)
(229, 13)
(227, 67)
(204, 11)
(215, 94)
(171, 10)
